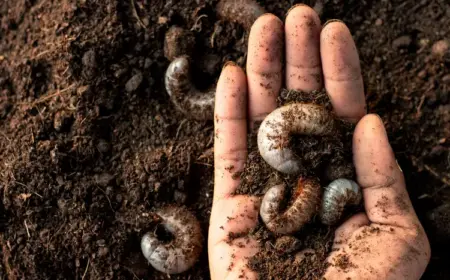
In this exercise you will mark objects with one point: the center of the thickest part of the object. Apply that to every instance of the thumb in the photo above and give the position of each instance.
(385, 196)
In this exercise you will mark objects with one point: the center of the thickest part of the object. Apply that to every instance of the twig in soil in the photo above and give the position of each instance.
(23, 185)
(179, 128)
(197, 27)
(86, 270)
(26, 227)
(131, 271)
(107, 197)
(6, 250)
(46, 97)
(437, 175)
(135, 14)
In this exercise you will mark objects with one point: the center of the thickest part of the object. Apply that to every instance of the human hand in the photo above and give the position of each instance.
(385, 242)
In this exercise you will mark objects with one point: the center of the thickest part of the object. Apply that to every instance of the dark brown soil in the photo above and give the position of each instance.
(90, 143)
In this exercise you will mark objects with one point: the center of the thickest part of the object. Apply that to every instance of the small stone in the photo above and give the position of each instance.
(157, 186)
(89, 59)
(179, 197)
(162, 20)
(422, 74)
(147, 63)
(134, 82)
(402, 42)
(86, 238)
(62, 205)
(440, 48)
(178, 42)
(120, 72)
(101, 242)
(378, 22)
(446, 78)
(102, 251)
(104, 179)
(103, 146)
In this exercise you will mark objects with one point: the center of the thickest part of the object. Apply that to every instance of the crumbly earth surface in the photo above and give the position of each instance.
(90, 144)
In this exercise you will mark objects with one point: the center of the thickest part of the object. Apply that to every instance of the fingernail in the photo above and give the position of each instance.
(229, 63)
(332, 20)
(295, 6)
(267, 14)
(375, 114)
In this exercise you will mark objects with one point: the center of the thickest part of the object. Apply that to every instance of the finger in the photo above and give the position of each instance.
(342, 72)
(344, 232)
(264, 65)
(303, 65)
(385, 196)
(230, 129)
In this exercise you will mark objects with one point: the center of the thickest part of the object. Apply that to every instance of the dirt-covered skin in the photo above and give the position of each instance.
(90, 143)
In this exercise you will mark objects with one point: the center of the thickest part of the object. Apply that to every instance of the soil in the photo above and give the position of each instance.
(280, 255)
(90, 144)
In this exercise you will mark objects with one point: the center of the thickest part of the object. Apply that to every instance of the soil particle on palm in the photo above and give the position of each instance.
(305, 259)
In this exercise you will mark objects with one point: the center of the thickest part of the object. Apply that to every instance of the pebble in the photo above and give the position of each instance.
(179, 197)
(440, 48)
(422, 74)
(134, 82)
(378, 22)
(89, 59)
(402, 42)
(104, 179)
(102, 251)
(446, 78)
(86, 238)
(103, 146)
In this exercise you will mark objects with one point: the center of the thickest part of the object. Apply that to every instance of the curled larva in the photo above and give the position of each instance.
(336, 196)
(244, 12)
(306, 199)
(186, 97)
(183, 250)
(278, 126)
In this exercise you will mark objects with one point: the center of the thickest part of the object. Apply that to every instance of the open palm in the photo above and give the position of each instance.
(385, 242)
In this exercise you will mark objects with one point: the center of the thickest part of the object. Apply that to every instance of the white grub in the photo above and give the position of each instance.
(184, 95)
(244, 12)
(278, 126)
(337, 195)
(306, 199)
(183, 251)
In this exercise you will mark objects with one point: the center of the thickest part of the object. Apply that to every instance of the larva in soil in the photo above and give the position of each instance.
(183, 250)
(278, 126)
(336, 196)
(184, 95)
(244, 12)
(306, 200)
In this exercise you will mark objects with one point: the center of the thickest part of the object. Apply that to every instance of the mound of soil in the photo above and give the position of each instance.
(90, 143)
